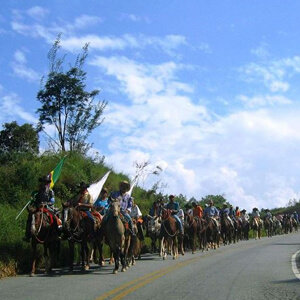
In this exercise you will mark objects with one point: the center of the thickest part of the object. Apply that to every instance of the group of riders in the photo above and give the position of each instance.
(100, 211)
(130, 210)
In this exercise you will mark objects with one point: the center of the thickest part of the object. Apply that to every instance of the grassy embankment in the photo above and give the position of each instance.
(19, 177)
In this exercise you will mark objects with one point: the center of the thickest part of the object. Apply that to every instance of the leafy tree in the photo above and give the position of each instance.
(15, 138)
(66, 104)
(218, 200)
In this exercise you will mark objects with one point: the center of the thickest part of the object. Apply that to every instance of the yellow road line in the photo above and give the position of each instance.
(149, 280)
(141, 281)
(116, 290)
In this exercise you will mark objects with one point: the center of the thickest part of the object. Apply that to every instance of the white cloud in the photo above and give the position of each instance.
(202, 154)
(134, 18)
(37, 12)
(21, 70)
(261, 51)
(264, 100)
(274, 74)
(10, 109)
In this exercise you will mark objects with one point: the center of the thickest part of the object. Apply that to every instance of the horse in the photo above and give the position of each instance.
(237, 229)
(212, 237)
(245, 229)
(294, 224)
(79, 228)
(287, 225)
(113, 230)
(191, 229)
(227, 230)
(277, 226)
(153, 226)
(268, 224)
(256, 226)
(135, 246)
(168, 236)
(44, 231)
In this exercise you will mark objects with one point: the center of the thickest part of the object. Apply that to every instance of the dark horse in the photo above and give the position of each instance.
(168, 236)
(212, 237)
(245, 229)
(79, 228)
(44, 232)
(227, 230)
(191, 230)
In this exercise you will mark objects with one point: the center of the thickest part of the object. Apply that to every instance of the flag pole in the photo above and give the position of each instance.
(22, 209)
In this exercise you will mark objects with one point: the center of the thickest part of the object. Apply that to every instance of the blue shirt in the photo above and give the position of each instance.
(211, 211)
(173, 206)
(102, 203)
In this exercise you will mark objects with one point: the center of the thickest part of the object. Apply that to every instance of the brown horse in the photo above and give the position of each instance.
(79, 228)
(168, 236)
(268, 224)
(212, 236)
(113, 231)
(191, 230)
(227, 230)
(44, 232)
(134, 250)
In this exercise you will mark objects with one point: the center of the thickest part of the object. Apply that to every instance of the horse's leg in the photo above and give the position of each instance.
(34, 245)
(87, 256)
(46, 258)
(71, 248)
(116, 254)
(161, 247)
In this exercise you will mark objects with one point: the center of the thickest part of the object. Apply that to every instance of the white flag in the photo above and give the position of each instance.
(95, 188)
(131, 188)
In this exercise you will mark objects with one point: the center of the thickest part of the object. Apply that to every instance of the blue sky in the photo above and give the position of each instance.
(206, 89)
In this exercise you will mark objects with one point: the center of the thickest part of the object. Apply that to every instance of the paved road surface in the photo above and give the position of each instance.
(248, 270)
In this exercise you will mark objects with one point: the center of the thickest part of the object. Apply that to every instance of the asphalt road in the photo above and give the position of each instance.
(248, 270)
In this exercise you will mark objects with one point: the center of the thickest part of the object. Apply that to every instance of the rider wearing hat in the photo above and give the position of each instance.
(44, 195)
(244, 215)
(174, 207)
(125, 202)
(212, 212)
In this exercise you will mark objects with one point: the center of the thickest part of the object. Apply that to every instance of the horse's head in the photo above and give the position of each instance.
(166, 213)
(115, 208)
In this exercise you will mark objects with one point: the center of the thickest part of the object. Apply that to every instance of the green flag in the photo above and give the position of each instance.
(54, 175)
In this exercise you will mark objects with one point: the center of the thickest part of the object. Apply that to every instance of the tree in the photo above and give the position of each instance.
(66, 104)
(15, 138)
(218, 200)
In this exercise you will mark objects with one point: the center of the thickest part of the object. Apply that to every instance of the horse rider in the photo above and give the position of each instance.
(44, 195)
(256, 215)
(269, 215)
(137, 215)
(174, 207)
(244, 215)
(295, 216)
(101, 205)
(155, 209)
(125, 203)
(84, 202)
(197, 211)
(225, 212)
(212, 212)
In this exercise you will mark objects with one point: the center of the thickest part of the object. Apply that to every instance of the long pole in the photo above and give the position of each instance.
(22, 209)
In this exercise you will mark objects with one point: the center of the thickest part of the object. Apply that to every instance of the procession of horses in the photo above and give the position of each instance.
(83, 224)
